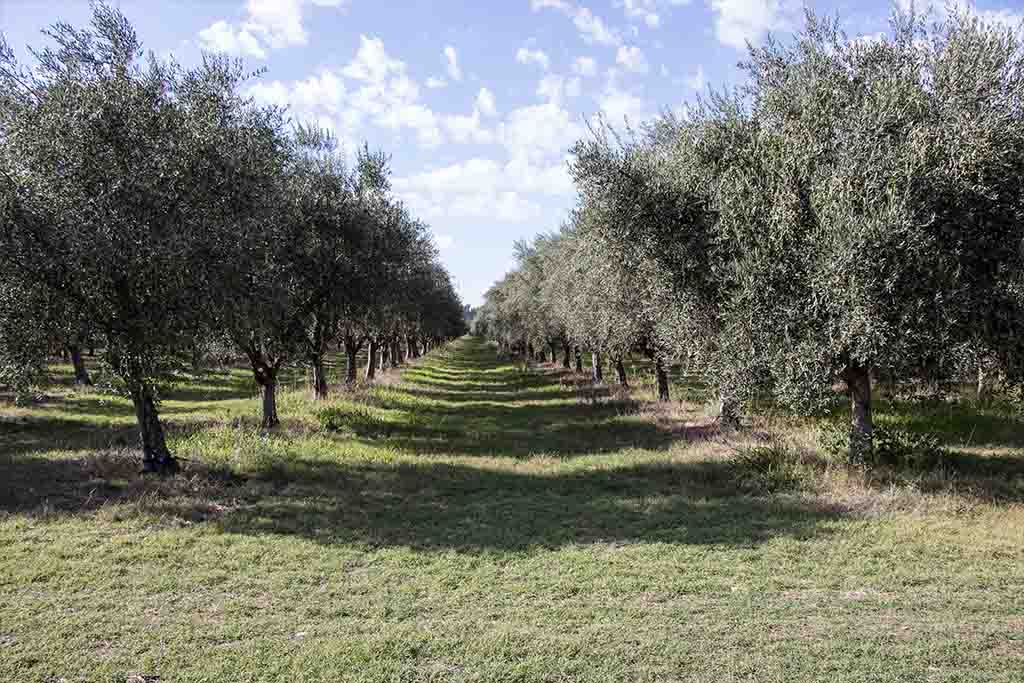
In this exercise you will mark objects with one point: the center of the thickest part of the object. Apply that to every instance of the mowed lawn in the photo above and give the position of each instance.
(474, 522)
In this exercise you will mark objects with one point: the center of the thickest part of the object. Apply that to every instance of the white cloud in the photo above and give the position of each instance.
(222, 37)
(620, 105)
(267, 24)
(372, 62)
(489, 177)
(372, 87)
(539, 57)
(505, 207)
(434, 83)
(539, 131)
(552, 87)
(485, 102)
(740, 21)
(444, 241)
(591, 27)
(642, 10)
(696, 80)
(631, 58)
(454, 72)
(484, 188)
(468, 129)
(585, 66)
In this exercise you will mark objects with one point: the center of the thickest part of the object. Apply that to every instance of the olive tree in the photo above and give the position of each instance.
(121, 181)
(889, 227)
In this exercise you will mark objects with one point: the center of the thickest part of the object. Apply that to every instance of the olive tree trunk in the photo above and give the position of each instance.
(156, 457)
(858, 382)
(319, 377)
(620, 372)
(597, 372)
(728, 411)
(984, 386)
(81, 373)
(371, 361)
(579, 360)
(566, 356)
(351, 359)
(270, 419)
(662, 376)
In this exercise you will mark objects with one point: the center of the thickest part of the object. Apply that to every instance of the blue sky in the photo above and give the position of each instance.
(476, 102)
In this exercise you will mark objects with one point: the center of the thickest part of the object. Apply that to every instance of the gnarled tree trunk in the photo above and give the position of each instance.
(270, 404)
(984, 385)
(728, 411)
(566, 356)
(351, 358)
(597, 372)
(156, 457)
(319, 378)
(579, 360)
(81, 373)
(620, 372)
(858, 382)
(662, 376)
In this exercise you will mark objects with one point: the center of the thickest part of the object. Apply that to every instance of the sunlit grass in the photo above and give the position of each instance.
(476, 522)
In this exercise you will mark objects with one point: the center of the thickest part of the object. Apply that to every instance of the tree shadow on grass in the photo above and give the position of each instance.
(439, 506)
(47, 434)
(491, 396)
(501, 429)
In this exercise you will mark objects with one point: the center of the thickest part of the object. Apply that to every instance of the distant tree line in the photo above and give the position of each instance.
(155, 213)
(853, 212)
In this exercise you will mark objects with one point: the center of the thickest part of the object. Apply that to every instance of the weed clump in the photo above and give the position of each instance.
(772, 468)
(893, 447)
(351, 418)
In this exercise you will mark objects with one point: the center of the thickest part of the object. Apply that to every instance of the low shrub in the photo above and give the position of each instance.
(361, 420)
(893, 447)
(772, 468)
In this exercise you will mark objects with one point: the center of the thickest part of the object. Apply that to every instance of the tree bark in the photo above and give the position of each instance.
(597, 372)
(156, 458)
(351, 359)
(319, 378)
(566, 353)
(620, 372)
(270, 419)
(81, 373)
(858, 382)
(728, 411)
(984, 386)
(371, 361)
(579, 360)
(662, 376)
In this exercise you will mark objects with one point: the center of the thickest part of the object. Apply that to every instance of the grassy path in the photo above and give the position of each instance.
(476, 523)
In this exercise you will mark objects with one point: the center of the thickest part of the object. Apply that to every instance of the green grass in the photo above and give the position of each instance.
(478, 523)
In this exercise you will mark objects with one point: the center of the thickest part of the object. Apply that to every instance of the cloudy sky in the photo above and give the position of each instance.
(476, 101)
